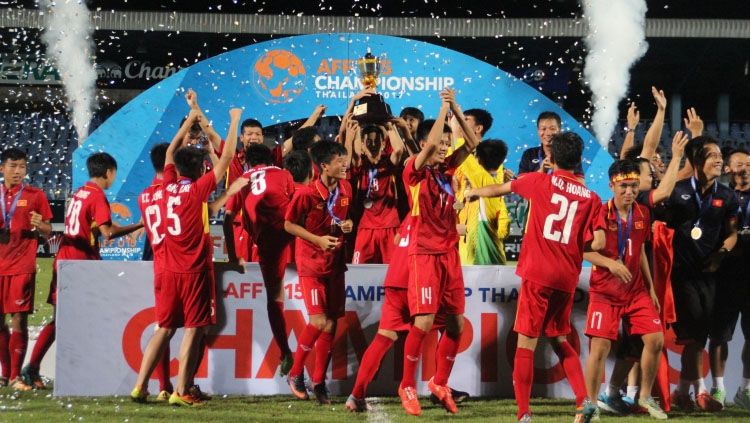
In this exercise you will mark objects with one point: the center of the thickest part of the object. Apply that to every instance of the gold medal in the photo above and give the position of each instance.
(368, 203)
(696, 233)
(458, 206)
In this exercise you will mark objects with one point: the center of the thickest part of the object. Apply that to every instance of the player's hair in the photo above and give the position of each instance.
(412, 112)
(372, 128)
(548, 115)
(731, 153)
(481, 117)
(491, 153)
(159, 156)
(299, 164)
(624, 167)
(324, 151)
(424, 128)
(257, 154)
(12, 154)
(250, 123)
(304, 138)
(695, 151)
(567, 149)
(190, 161)
(99, 163)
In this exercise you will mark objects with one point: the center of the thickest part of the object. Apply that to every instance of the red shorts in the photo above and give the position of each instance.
(324, 295)
(186, 300)
(436, 283)
(397, 275)
(542, 309)
(603, 319)
(374, 245)
(17, 293)
(395, 313)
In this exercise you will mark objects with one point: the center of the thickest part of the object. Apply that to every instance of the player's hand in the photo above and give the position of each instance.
(620, 271)
(679, 142)
(237, 186)
(192, 98)
(319, 110)
(347, 226)
(546, 164)
(508, 175)
(659, 98)
(461, 229)
(194, 115)
(396, 239)
(327, 242)
(36, 219)
(364, 93)
(448, 96)
(655, 300)
(634, 116)
(470, 195)
(693, 123)
(235, 114)
(237, 264)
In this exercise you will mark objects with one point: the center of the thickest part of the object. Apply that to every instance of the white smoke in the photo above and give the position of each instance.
(616, 39)
(68, 36)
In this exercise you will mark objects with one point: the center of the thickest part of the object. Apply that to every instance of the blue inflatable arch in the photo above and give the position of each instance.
(284, 79)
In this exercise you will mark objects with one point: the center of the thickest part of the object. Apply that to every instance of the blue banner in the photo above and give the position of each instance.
(284, 79)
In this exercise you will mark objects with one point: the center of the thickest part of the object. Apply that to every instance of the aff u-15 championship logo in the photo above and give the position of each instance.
(280, 76)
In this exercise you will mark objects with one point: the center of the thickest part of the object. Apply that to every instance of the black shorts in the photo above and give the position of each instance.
(694, 299)
(732, 299)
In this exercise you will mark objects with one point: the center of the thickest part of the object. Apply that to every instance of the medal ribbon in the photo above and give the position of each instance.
(702, 205)
(623, 234)
(8, 215)
(331, 202)
(372, 174)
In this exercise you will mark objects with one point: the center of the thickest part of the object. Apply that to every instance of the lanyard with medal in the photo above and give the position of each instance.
(8, 213)
(446, 190)
(330, 204)
(372, 175)
(541, 160)
(623, 234)
(696, 233)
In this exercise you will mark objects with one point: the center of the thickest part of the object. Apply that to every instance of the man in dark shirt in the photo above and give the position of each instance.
(537, 159)
(732, 289)
(703, 214)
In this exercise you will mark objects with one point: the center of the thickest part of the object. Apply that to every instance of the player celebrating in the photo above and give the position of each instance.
(25, 215)
(621, 286)
(703, 214)
(264, 203)
(561, 213)
(317, 216)
(435, 278)
(87, 217)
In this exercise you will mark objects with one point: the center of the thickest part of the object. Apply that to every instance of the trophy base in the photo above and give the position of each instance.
(371, 110)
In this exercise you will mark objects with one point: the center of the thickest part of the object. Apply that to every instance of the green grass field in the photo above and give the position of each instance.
(42, 407)
(42, 310)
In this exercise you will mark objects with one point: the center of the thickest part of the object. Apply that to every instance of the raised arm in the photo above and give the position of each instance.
(177, 140)
(694, 123)
(471, 141)
(397, 143)
(634, 116)
(286, 147)
(664, 190)
(230, 145)
(433, 138)
(192, 100)
(654, 131)
(353, 142)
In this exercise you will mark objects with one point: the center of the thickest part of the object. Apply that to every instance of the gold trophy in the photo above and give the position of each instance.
(371, 109)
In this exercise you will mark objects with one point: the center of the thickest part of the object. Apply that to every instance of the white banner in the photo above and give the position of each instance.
(105, 317)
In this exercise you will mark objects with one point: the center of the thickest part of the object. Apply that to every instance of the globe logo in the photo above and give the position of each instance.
(279, 76)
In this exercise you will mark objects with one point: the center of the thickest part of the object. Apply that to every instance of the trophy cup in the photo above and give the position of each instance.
(370, 109)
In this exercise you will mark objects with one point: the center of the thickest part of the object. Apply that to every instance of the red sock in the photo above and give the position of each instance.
(446, 357)
(322, 357)
(43, 342)
(278, 325)
(523, 378)
(162, 371)
(661, 383)
(412, 352)
(17, 346)
(304, 345)
(370, 364)
(5, 351)
(573, 371)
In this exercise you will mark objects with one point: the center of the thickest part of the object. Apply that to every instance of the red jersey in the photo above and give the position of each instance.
(266, 199)
(433, 216)
(605, 286)
(309, 209)
(187, 242)
(397, 275)
(237, 166)
(561, 210)
(243, 245)
(88, 209)
(376, 187)
(150, 203)
(18, 255)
